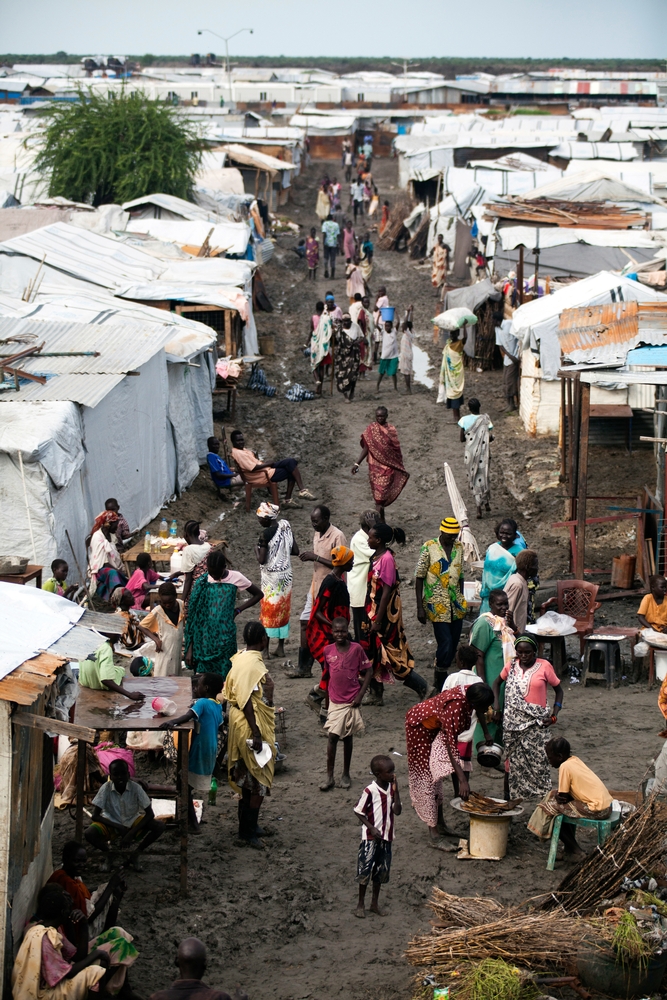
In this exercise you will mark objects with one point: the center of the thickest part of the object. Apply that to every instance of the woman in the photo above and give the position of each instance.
(348, 356)
(355, 284)
(50, 967)
(476, 433)
(349, 241)
(526, 719)
(492, 638)
(499, 561)
(320, 347)
(332, 601)
(380, 445)
(210, 629)
(357, 578)
(252, 725)
(273, 550)
(104, 559)
(384, 218)
(323, 203)
(193, 558)
(382, 630)
(439, 269)
(518, 589)
(431, 735)
(452, 378)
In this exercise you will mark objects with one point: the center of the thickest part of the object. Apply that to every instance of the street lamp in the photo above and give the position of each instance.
(226, 41)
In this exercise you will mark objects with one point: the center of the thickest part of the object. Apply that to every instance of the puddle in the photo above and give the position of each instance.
(422, 364)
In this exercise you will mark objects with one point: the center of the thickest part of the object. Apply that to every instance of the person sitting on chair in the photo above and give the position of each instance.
(221, 474)
(261, 473)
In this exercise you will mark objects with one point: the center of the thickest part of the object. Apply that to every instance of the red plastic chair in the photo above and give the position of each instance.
(576, 598)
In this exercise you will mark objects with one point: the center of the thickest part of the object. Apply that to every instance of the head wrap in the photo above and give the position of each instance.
(268, 510)
(106, 517)
(341, 555)
(526, 638)
(450, 526)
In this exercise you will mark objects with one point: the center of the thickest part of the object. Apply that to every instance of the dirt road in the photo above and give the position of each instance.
(280, 923)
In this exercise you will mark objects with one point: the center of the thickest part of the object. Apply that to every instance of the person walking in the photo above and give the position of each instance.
(331, 239)
(380, 445)
(439, 593)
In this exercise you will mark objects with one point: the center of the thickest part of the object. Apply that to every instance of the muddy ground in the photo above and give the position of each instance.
(280, 923)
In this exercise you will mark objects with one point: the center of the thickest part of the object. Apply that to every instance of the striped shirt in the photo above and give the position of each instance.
(375, 804)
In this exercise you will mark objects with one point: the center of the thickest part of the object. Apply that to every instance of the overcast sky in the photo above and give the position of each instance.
(538, 28)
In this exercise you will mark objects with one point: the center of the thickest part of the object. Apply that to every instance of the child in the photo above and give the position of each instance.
(652, 611)
(343, 663)
(141, 666)
(164, 625)
(207, 712)
(141, 581)
(122, 812)
(312, 254)
(57, 582)
(389, 356)
(475, 427)
(405, 365)
(376, 808)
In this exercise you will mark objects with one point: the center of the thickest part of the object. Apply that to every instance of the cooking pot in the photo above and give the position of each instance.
(489, 755)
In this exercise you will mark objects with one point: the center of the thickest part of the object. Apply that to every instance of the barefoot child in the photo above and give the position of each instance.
(344, 665)
(652, 611)
(141, 581)
(164, 625)
(376, 808)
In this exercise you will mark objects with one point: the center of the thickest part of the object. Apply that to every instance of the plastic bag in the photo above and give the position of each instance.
(454, 319)
(552, 623)
(641, 649)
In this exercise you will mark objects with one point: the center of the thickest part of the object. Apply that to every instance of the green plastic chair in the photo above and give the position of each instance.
(603, 827)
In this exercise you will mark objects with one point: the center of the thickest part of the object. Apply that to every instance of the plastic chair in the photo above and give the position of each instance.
(249, 487)
(602, 661)
(603, 827)
(576, 598)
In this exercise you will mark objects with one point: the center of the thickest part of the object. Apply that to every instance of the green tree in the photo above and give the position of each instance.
(114, 149)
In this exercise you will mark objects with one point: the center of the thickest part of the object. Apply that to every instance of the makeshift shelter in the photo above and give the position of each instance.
(265, 176)
(482, 299)
(326, 132)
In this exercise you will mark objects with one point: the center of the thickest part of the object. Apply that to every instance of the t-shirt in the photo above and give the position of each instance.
(122, 809)
(516, 589)
(55, 586)
(155, 621)
(654, 613)
(246, 462)
(357, 578)
(357, 191)
(375, 804)
(100, 668)
(583, 784)
(384, 569)
(330, 232)
(389, 345)
(189, 989)
(344, 669)
(235, 578)
(322, 546)
(542, 675)
(136, 584)
(442, 599)
(466, 422)
(204, 747)
(192, 555)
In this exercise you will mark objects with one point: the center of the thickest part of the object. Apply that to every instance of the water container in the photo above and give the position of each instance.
(164, 528)
(176, 562)
(173, 529)
(147, 542)
(213, 792)
(387, 313)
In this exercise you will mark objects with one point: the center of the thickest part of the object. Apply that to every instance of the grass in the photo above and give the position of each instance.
(628, 944)
(494, 979)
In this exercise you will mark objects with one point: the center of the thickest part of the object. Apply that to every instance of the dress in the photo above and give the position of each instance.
(443, 718)
(332, 601)
(276, 583)
(347, 356)
(41, 966)
(167, 663)
(323, 204)
(405, 365)
(210, 627)
(525, 736)
(385, 462)
(476, 458)
(439, 263)
(499, 564)
(452, 377)
(204, 746)
(495, 640)
(320, 341)
(388, 649)
(243, 684)
(105, 566)
(312, 252)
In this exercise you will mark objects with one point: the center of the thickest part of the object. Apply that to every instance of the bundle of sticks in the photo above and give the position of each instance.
(567, 214)
(417, 243)
(463, 911)
(634, 850)
(482, 804)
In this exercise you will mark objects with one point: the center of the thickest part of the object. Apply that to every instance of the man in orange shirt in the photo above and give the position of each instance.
(260, 473)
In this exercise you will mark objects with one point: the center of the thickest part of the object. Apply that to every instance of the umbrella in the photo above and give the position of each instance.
(471, 551)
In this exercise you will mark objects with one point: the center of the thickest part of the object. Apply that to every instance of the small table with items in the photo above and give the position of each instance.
(164, 555)
(30, 573)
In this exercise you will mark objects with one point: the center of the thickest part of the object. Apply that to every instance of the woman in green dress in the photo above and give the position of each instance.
(492, 636)
(210, 628)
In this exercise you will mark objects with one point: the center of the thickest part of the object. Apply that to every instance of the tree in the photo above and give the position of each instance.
(116, 148)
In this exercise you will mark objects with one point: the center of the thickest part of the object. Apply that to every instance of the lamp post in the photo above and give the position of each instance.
(226, 40)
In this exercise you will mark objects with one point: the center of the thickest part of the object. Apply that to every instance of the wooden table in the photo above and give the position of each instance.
(31, 573)
(163, 556)
(109, 710)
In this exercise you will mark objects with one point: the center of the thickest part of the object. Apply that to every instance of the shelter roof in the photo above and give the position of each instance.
(254, 158)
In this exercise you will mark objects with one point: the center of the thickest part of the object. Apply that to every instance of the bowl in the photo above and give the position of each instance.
(13, 565)
(489, 755)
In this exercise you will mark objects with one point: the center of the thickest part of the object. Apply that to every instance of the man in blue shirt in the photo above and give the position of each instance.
(331, 239)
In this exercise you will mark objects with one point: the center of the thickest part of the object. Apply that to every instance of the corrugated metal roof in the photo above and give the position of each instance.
(78, 643)
(27, 682)
(604, 334)
(88, 390)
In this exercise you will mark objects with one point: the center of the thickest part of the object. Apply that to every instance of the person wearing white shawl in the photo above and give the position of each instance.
(492, 636)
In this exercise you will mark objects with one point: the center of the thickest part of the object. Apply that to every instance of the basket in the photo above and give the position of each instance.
(13, 565)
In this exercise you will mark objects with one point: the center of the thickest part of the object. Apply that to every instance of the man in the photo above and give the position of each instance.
(122, 813)
(191, 962)
(348, 162)
(439, 593)
(221, 474)
(123, 529)
(327, 536)
(510, 350)
(260, 473)
(357, 196)
(331, 240)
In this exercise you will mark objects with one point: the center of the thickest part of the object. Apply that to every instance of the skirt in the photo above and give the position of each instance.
(343, 721)
(529, 768)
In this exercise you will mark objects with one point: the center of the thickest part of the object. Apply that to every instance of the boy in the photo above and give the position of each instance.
(376, 808)
(122, 812)
(57, 582)
(100, 672)
(389, 355)
(207, 712)
(164, 626)
(652, 611)
(343, 662)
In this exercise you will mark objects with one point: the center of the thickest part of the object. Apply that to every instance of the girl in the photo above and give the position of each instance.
(141, 581)
(312, 254)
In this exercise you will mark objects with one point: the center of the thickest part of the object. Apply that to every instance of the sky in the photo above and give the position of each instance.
(419, 28)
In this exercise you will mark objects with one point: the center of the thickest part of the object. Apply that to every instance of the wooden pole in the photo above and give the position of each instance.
(80, 786)
(183, 802)
(563, 432)
(582, 490)
(519, 275)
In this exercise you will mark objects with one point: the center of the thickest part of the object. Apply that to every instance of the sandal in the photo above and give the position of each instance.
(291, 503)
(306, 495)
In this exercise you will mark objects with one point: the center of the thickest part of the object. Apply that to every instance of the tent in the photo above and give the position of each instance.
(590, 185)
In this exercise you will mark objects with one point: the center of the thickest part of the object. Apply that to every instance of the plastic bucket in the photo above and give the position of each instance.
(267, 344)
(387, 313)
(660, 656)
(488, 837)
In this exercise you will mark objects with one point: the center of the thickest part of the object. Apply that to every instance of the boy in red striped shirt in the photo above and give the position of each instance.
(379, 803)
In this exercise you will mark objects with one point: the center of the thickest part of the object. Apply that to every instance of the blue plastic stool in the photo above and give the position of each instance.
(603, 827)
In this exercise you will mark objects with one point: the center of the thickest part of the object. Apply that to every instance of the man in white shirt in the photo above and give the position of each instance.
(357, 196)
(122, 813)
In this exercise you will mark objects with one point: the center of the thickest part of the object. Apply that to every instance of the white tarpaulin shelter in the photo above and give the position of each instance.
(594, 151)
(231, 237)
(31, 620)
(537, 237)
(590, 185)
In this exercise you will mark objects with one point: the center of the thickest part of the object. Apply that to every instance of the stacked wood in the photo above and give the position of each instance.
(417, 244)
(395, 231)
(566, 214)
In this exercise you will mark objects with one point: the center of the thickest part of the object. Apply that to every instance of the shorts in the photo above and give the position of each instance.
(111, 833)
(374, 862)
(343, 721)
(388, 366)
(307, 608)
(454, 404)
(283, 470)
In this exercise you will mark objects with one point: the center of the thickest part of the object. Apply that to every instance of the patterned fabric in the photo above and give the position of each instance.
(439, 262)
(347, 358)
(447, 714)
(122, 954)
(27, 975)
(524, 736)
(375, 803)
(210, 627)
(320, 341)
(374, 862)
(385, 462)
(312, 252)
(276, 579)
(330, 232)
(499, 564)
(405, 365)
(442, 597)
(451, 372)
(332, 601)
(476, 458)
(387, 649)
